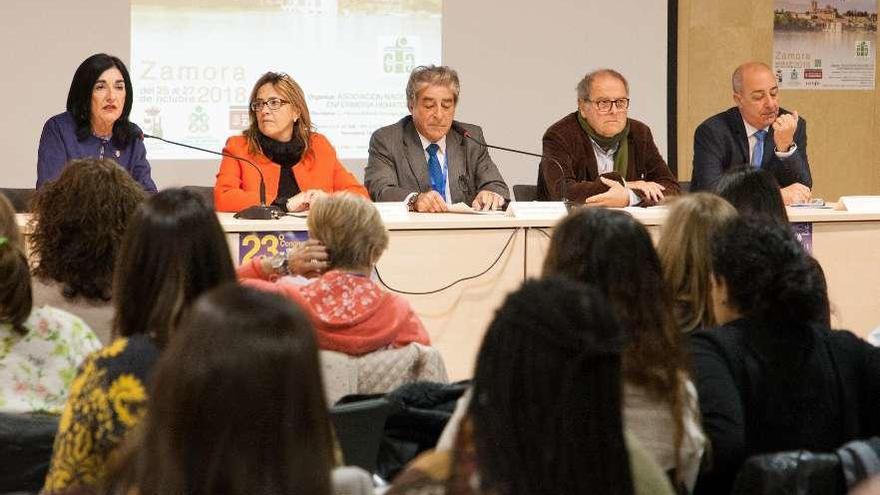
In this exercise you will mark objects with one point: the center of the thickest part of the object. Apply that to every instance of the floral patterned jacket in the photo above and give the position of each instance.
(107, 399)
(37, 368)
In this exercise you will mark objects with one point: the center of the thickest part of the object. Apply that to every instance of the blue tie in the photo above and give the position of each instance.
(438, 180)
(758, 154)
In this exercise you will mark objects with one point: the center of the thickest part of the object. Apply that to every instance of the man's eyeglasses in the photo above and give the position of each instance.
(272, 103)
(604, 106)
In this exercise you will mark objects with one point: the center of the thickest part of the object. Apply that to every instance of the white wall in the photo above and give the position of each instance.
(518, 61)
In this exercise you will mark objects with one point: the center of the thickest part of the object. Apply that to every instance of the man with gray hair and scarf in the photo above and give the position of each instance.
(429, 160)
(600, 157)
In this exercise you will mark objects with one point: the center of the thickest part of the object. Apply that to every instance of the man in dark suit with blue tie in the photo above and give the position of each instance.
(756, 131)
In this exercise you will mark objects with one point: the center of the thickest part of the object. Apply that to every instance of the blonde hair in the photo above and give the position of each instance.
(351, 229)
(686, 258)
(291, 91)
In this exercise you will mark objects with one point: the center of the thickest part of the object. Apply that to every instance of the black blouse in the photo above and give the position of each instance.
(285, 155)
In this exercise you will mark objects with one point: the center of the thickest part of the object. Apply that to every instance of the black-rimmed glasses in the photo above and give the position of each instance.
(604, 106)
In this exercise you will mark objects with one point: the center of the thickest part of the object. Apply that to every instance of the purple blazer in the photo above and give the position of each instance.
(58, 145)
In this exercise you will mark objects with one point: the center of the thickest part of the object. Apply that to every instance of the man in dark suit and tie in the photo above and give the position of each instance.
(425, 159)
(756, 131)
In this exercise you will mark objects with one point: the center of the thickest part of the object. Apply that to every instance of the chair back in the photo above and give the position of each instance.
(797, 472)
(206, 192)
(359, 429)
(20, 198)
(525, 192)
(25, 450)
(380, 371)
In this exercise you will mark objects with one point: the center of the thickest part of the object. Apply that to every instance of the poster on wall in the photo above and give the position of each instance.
(825, 44)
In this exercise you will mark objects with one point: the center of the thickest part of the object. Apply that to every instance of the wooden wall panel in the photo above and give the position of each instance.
(843, 126)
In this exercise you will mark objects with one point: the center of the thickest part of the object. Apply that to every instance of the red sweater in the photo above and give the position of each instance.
(350, 313)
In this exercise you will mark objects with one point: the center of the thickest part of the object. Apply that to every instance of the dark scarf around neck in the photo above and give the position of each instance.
(621, 156)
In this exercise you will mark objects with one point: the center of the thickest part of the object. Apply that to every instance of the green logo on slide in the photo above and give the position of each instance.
(399, 58)
(198, 120)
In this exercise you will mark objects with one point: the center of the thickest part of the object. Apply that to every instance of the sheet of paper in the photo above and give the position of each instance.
(463, 208)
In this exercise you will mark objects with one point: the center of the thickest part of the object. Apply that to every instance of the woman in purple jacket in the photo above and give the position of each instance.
(95, 123)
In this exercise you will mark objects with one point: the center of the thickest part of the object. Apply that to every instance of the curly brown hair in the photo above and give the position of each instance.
(78, 222)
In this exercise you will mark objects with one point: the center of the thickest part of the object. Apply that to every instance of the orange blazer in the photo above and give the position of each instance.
(238, 184)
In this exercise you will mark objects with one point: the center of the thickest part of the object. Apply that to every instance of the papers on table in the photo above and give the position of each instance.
(464, 208)
(861, 204)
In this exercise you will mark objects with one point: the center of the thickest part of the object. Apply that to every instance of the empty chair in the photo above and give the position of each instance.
(359, 429)
(525, 192)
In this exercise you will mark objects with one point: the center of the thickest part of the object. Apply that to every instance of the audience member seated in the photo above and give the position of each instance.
(351, 313)
(613, 252)
(298, 164)
(753, 192)
(545, 414)
(210, 429)
(772, 377)
(685, 256)
(77, 226)
(43, 346)
(95, 124)
(173, 250)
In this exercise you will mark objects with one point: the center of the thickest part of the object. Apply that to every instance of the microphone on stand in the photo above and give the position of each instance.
(256, 212)
(567, 202)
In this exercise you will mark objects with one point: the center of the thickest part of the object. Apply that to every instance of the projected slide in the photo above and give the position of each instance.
(194, 62)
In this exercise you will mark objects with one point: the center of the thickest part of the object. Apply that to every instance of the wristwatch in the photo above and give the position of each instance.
(411, 204)
(280, 264)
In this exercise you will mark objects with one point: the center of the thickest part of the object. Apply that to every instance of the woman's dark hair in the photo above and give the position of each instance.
(769, 276)
(236, 406)
(752, 192)
(16, 297)
(613, 252)
(79, 98)
(78, 222)
(173, 251)
(546, 405)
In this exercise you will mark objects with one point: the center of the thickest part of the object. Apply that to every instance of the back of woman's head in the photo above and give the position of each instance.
(752, 192)
(237, 403)
(78, 223)
(768, 275)
(351, 229)
(173, 251)
(547, 394)
(613, 252)
(686, 257)
(16, 297)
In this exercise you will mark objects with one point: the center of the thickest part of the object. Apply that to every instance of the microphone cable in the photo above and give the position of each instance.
(464, 279)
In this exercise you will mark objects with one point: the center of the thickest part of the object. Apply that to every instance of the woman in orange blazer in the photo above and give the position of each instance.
(298, 165)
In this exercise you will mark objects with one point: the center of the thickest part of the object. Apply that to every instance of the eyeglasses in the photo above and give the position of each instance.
(272, 103)
(604, 106)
